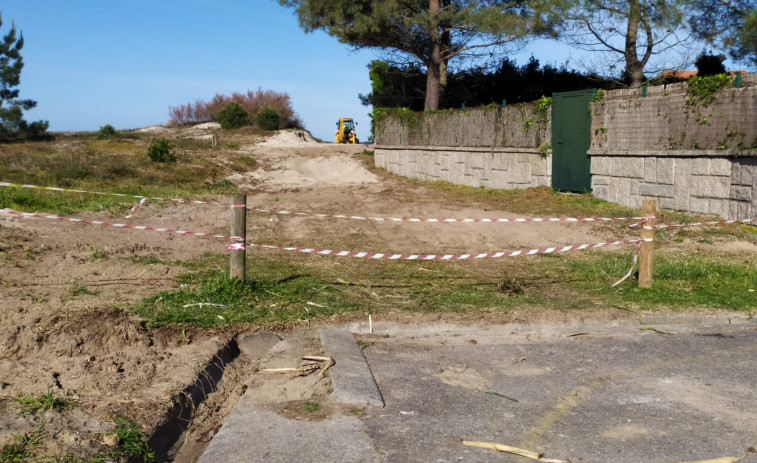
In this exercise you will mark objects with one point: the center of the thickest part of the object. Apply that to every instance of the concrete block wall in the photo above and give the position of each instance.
(701, 160)
(692, 159)
(666, 120)
(700, 181)
(504, 168)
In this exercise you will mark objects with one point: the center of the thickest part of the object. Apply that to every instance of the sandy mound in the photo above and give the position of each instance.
(206, 126)
(307, 172)
(288, 138)
(154, 129)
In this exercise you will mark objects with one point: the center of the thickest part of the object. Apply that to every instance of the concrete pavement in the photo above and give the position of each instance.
(670, 390)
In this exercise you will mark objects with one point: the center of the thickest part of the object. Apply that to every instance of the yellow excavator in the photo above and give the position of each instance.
(345, 131)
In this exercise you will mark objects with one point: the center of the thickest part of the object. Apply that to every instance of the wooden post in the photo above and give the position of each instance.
(646, 253)
(239, 228)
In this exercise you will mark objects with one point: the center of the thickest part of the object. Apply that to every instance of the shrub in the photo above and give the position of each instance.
(709, 65)
(252, 102)
(106, 132)
(268, 119)
(160, 151)
(233, 116)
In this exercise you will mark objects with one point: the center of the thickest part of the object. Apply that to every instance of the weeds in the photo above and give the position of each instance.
(148, 260)
(234, 146)
(115, 166)
(23, 447)
(311, 407)
(679, 281)
(31, 404)
(97, 255)
(132, 441)
(79, 289)
(247, 161)
(295, 288)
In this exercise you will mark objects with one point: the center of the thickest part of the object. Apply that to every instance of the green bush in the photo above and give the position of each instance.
(160, 151)
(106, 132)
(268, 119)
(233, 116)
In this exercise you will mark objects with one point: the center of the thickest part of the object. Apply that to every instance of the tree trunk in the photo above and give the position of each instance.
(443, 66)
(634, 67)
(635, 75)
(433, 87)
(434, 65)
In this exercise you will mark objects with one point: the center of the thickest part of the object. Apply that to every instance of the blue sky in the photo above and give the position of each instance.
(94, 62)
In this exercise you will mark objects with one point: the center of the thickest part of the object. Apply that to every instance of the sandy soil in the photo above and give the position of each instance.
(64, 286)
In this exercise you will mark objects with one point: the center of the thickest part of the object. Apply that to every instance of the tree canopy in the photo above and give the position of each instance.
(631, 32)
(402, 86)
(12, 124)
(731, 25)
(431, 33)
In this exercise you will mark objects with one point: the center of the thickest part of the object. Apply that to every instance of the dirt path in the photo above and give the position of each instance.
(64, 285)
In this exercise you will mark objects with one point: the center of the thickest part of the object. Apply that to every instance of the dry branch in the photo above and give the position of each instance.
(513, 451)
(306, 368)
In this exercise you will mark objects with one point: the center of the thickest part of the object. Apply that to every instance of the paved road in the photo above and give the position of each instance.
(668, 391)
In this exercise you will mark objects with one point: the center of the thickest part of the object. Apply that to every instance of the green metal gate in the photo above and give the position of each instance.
(571, 137)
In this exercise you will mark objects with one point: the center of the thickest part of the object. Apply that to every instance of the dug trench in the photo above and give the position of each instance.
(278, 374)
(181, 405)
(208, 392)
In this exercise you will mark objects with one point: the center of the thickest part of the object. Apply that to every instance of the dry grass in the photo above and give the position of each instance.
(80, 161)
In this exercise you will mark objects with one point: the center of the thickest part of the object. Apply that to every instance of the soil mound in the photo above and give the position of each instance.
(288, 138)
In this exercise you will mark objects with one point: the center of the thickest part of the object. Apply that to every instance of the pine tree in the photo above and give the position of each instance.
(12, 124)
(430, 33)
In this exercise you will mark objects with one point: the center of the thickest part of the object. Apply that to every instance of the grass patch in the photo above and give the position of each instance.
(31, 404)
(276, 291)
(79, 289)
(293, 288)
(23, 447)
(132, 441)
(281, 290)
(148, 260)
(114, 166)
(311, 407)
(680, 281)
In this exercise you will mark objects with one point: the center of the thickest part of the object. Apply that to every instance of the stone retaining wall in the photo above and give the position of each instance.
(689, 157)
(503, 168)
(705, 182)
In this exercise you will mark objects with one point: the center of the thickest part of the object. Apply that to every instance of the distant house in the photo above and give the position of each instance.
(686, 74)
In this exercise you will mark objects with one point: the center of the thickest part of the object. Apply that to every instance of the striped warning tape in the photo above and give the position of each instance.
(696, 224)
(433, 220)
(116, 225)
(325, 252)
(387, 256)
(633, 263)
(143, 199)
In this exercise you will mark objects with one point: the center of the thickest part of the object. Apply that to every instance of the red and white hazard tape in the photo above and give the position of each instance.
(433, 220)
(117, 225)
(387, 256)
(144, 199)
(136, 208)
(633, 263)
(326, 252)
(696, 224)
